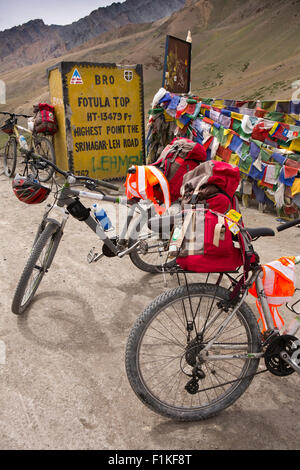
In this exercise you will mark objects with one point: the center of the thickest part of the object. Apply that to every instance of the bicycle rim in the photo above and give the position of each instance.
(37, 273)
(166, 358)
(152, 254)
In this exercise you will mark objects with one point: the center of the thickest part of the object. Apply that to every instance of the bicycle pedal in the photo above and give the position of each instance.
(92, 256)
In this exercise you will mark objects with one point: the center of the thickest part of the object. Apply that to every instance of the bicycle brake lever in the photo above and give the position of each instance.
(90, 185)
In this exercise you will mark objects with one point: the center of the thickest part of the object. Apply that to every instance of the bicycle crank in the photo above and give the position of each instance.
(282, 355)
(289, 360)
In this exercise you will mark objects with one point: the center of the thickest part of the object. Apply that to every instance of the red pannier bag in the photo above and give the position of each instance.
(44, 120)
(179, 157)
(206, 242)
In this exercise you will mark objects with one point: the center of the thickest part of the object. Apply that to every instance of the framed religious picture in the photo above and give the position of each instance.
(177, 66)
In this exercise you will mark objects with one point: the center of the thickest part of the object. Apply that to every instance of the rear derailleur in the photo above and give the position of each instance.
(192, 386)
(191, 356)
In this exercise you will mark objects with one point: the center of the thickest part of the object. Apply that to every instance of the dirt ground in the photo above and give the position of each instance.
(62, 381)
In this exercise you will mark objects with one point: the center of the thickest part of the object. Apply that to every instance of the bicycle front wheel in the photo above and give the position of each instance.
(44, 147)
(39, 262)
(10, 157)
(163, 361)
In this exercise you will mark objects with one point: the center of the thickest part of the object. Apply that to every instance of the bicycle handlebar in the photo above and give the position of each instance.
(288, 225)
(104, 184)
(13, 114)
(68, 174)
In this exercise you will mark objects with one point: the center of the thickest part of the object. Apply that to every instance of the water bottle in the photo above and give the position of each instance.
(102, 217)
(175, 242)
(23, 142)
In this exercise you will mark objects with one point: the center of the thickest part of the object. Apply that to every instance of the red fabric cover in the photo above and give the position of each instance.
(184, 164)
(212, 263)
(226, 257)
(221, 174)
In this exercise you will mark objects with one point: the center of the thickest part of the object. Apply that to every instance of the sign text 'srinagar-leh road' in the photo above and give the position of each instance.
(99, 107)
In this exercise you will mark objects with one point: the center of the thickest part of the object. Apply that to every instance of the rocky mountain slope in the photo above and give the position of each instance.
(241, 49)
(35, 42)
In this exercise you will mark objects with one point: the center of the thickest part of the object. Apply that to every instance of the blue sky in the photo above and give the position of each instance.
(16, 12)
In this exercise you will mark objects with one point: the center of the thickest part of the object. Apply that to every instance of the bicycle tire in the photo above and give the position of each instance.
(10, 157)
(43, 146)
(150, 377)
(52, 235)
(144, 261)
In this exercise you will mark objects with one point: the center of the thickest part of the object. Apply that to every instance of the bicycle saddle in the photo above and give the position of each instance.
(260, 232)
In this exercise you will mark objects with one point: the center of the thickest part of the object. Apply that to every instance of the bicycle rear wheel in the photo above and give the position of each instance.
(163, 350)
(39, 262)
(44, 147)
(10, 157)
(151, 255)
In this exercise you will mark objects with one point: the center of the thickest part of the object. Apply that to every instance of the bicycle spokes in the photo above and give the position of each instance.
(173, 364)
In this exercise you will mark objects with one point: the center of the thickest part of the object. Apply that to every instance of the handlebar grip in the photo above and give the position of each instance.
(107, 185)
(288, 225)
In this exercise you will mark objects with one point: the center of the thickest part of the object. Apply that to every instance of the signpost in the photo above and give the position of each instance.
(100, 114)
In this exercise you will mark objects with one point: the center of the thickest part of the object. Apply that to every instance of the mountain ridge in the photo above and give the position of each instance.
(35, 41)
(240, 50)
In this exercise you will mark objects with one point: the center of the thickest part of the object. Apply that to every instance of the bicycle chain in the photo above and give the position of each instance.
(268, 369)
(232, 381)
(192, 383)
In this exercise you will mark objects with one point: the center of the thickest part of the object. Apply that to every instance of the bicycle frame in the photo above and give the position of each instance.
(256, 278)
(210, 346)
(17, 128)
(67, 196)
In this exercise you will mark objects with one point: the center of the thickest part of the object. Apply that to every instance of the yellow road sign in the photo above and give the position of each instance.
(100, 113)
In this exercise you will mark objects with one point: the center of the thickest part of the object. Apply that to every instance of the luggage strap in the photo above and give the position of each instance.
(195, 195)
